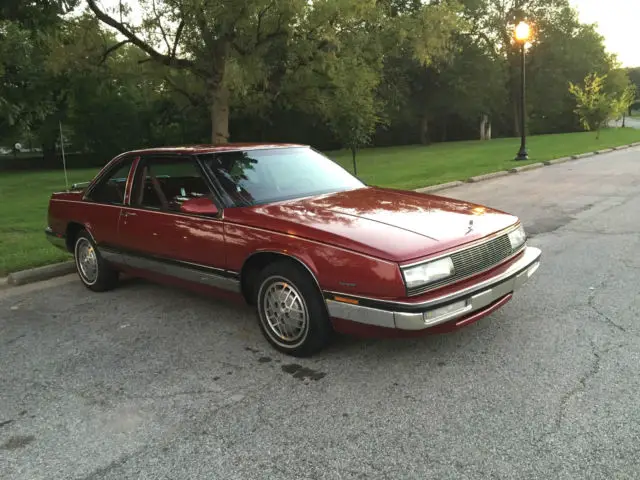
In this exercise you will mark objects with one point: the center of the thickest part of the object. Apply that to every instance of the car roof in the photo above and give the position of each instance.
(201, 149)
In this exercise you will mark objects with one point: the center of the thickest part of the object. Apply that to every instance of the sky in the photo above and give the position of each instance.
(617, 20)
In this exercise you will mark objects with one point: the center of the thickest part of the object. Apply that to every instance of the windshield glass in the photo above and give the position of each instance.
(270, 175)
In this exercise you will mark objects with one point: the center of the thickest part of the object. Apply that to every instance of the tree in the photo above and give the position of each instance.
(593, 106)
(353, 113)
(634, 77)
(32, 97)
(226, 44)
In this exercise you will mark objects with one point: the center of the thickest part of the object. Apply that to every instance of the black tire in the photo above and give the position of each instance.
(105, 278)
(278, 280)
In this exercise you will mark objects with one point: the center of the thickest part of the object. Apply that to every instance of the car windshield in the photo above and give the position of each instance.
(271, 175)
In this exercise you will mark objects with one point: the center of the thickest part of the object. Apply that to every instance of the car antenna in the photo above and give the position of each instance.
(64, 161)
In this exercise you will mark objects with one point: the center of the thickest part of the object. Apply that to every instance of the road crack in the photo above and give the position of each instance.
(579, 388)
(600, 313)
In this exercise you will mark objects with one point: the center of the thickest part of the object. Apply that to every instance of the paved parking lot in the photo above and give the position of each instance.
(150, 383)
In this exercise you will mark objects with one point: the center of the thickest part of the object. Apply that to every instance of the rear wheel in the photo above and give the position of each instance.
(291, 311)
(94, 272)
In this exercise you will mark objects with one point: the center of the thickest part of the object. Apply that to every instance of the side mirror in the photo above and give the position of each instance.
(199, 206)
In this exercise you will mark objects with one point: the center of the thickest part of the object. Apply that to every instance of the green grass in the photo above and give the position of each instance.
(23, 217)
(418, 166)
(25, 195)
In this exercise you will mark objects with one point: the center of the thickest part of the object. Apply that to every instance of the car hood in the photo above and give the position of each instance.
(391, 224)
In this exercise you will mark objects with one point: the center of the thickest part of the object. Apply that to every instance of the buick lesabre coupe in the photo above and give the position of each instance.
(286, 229)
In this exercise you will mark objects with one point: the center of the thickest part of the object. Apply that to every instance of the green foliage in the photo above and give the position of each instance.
(593, 105)
(329, 72)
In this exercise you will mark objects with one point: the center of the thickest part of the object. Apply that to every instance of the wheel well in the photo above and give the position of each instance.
(72, 231)
(256, 263)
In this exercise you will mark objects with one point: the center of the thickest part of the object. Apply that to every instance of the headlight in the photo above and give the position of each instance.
(517, 237)
(428, 272)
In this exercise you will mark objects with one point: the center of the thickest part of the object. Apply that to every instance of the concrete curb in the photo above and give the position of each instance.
(440, 186)
(41, 273)
(488, 176)
(583, 155)
(556, 161)
(524, 168)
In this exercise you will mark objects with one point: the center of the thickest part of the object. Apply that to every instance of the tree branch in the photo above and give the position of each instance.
(262, 13)
(177, 39)
(278, 32)
(164, 34)
(112, 49)
(137, 41)
(193, 99)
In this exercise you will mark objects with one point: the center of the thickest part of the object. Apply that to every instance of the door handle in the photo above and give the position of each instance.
(128, 214)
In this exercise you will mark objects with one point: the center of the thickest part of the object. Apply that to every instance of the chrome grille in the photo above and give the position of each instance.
(472, 261)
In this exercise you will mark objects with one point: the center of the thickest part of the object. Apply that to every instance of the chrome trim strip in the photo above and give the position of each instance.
(184, 271)
(498, 289)
(530, 256)
(464, 247)
(360, 314)
(111, 256)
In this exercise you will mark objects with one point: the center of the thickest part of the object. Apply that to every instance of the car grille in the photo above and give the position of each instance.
(472, 261)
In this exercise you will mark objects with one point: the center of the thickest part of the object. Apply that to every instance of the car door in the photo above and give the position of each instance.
(105, 200)
(158, 237)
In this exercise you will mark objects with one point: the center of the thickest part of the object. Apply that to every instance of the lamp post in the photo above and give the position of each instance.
(522, 34)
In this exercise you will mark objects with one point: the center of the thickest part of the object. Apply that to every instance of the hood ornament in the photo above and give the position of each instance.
(470, 226)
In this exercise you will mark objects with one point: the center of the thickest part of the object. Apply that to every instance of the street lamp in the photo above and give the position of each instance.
(522, 34)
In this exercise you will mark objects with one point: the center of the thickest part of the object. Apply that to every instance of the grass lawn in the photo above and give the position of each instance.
(25, 195)
(418, 166)
(23, 214)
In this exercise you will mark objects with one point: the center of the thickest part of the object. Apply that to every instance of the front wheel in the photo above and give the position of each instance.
(94, 272)
(291, 311)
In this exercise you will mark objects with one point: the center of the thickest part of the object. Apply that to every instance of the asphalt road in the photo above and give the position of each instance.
(149, 383)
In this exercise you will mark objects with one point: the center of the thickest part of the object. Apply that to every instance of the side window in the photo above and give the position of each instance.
(165, 183)
(111, 189)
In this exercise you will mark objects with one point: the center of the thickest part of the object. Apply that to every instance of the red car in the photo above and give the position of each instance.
(291, 232)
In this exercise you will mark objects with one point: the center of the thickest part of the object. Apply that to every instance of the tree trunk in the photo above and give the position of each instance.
(218, 93)
(219, 98)
(355, 166)
(424, 130)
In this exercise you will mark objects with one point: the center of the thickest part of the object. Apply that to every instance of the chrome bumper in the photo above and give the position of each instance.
(412, 316)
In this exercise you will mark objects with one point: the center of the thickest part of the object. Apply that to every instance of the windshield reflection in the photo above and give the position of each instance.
(275, 174)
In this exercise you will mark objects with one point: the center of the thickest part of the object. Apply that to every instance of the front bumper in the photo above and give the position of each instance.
(447, 308)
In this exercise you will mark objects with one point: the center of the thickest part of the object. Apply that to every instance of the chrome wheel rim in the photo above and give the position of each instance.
(86, 261)
(284, 312)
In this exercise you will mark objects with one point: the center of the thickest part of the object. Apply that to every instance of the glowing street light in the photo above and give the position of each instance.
(522, 35)
(523, 32)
